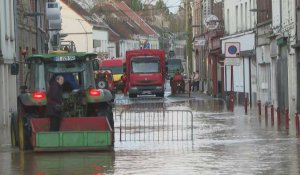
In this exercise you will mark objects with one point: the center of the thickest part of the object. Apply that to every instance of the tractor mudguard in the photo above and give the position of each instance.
(28, 100)
(105, 96)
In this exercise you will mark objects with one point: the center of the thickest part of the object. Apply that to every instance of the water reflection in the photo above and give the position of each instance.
(214, 105)
(79, 163)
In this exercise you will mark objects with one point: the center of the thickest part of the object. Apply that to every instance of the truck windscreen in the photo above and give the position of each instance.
(114, 69)
(145, 65)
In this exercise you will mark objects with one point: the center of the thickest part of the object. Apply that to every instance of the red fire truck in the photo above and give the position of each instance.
(145, 71)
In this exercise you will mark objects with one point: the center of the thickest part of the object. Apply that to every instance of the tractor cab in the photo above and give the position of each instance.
(81, 97)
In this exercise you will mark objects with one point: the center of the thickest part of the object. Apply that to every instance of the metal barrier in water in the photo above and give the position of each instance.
(137, 104)
(160, 125)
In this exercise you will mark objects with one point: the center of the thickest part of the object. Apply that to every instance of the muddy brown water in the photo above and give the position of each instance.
(223, 143)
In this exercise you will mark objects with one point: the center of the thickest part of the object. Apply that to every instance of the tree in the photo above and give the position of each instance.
(162, 7)
(135, 5)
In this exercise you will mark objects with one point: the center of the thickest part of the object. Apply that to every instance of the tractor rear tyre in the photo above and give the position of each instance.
(13, 132)
(24, 134)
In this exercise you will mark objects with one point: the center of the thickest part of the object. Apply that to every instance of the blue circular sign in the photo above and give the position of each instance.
(232, 50)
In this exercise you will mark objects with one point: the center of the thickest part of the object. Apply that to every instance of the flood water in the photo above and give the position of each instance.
(222, 143)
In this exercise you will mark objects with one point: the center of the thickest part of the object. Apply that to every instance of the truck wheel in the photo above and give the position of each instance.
(160, 95)
(13, 132)
(132, 95)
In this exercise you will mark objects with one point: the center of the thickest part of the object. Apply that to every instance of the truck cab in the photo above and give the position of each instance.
(145, 71)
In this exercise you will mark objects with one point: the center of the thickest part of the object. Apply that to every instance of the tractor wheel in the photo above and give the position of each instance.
(24, 136)
(106, 110)
(102, 84)
(13, 132)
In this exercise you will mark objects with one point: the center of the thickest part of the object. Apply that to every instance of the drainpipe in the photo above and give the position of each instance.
(17, 47)
(36, 29)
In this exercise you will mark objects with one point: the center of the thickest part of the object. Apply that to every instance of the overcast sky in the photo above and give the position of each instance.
(171, 4)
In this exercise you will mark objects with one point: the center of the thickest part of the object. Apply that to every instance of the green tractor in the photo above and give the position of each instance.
(87, 111)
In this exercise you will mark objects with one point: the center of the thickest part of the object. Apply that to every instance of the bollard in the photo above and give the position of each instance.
(259, 107)
(190, 87)
(297, 123)
(246, 104)
(231, 102)
(272, 115)
(266, 114)
(278, 117)
(287, 119)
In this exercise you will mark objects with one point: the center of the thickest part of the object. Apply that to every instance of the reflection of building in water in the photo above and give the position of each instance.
(208, 105)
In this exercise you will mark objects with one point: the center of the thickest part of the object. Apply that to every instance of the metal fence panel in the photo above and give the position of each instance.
(159, 125)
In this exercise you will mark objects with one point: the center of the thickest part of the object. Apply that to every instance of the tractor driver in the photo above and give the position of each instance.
(70, 83)
(54, 106)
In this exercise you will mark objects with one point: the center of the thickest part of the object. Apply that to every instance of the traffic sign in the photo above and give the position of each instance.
(232, 61)
(232, 49)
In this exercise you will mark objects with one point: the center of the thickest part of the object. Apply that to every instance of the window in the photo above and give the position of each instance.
(11, 19)
(236, 18)
(228, 25)
(246, 16)
(250, 7)
(5, 17)
(242, 18)
(96, 43)
(53, 5)
(145, 65)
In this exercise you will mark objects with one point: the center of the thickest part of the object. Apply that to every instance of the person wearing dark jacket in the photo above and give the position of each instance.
(55, 102)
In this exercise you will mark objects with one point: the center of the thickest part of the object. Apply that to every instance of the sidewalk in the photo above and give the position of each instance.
(267, 118)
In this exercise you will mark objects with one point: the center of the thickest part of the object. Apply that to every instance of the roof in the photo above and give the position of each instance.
(91, 18)
(136, 18)
(112, 62)
(117, 21)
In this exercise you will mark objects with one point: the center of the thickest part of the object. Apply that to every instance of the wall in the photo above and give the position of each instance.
(284, 26)
(102, 37)
(8, 97)
(239, 19)
(77, 28)
(126, 45)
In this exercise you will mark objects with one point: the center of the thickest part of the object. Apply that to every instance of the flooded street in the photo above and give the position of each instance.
(221, 143)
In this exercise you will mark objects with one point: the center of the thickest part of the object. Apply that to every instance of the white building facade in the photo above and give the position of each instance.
(77, 29)
(100, 42)
(87, 35)
(239, 25)
(8, 90)
(284, 61)
(126, 45)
